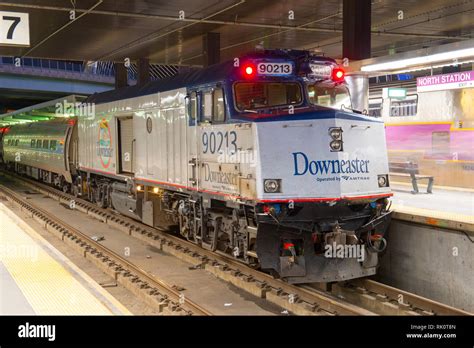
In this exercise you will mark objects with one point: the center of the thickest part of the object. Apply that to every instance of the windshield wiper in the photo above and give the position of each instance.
(354, 111)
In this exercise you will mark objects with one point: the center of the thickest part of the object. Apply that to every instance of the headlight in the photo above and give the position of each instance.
(272, 185)
(335, 133)
(383, 180)
(336, 145)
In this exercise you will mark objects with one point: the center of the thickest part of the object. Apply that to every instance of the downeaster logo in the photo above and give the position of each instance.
(303, 165)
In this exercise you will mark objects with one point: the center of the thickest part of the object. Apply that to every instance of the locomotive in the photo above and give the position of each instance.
(260, 157)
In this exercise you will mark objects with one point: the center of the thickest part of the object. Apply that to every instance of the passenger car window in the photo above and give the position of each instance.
(38, 143)
(17, 142)
(52, 145)
(33, 143)
(440, 143)
(45, 144)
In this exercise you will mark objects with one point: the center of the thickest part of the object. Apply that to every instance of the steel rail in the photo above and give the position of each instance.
(219, 263)
(369, 296)
(91, 245)
(406, 297)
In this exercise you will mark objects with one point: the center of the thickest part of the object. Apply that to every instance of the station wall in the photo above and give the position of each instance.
(422, 260)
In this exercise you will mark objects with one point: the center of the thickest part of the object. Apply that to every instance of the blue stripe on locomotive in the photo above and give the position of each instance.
(226, 74)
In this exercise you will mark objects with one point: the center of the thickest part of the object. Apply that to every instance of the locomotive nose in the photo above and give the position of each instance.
(334, 155)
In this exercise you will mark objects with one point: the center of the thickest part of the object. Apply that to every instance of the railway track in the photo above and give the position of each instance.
(151, 289)
(360, 297)
(384, 299)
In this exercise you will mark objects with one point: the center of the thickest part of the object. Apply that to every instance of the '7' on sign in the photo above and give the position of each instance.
(14, 29)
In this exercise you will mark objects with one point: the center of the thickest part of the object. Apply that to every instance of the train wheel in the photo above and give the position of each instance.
(75, 191)
(99, 197)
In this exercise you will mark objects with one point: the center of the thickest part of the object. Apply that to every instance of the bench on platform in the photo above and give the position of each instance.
(410, 169)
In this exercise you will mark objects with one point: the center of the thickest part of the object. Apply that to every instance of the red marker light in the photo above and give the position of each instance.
(338, 74)
(249, 71)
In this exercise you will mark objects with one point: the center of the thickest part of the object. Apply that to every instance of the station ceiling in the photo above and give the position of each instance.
(113, 30)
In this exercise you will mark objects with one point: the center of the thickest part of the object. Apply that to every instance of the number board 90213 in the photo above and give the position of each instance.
(275, 68)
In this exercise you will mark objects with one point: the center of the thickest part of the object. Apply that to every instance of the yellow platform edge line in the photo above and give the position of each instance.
(446, 188)
(459, 222)
(87, 283)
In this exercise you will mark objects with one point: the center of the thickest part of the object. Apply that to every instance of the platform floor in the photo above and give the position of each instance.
(35, 278)
(457, 204)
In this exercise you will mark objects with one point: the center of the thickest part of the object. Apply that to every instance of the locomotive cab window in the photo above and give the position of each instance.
(329, 95)
(207, 107)
(193, 106)
(258, 95)
(218, 114)
(213, 107)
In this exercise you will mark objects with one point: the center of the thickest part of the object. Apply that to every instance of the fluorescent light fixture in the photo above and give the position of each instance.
(411, 62)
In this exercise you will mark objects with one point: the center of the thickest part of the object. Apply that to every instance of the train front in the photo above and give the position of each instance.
(322, 176)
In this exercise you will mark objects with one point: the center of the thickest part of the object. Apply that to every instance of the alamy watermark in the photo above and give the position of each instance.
(345, 251)
(238, 157)
(23, 251)
(75, 109)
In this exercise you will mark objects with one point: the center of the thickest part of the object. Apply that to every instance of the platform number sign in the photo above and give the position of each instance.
(14, 29)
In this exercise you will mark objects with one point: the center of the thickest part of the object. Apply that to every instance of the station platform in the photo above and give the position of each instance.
(454, 204)
(36, 279)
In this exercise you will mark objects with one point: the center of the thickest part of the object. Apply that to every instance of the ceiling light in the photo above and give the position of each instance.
(411, 62)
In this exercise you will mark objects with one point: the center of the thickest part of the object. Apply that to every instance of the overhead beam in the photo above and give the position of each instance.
(62, 28)
(219, 22)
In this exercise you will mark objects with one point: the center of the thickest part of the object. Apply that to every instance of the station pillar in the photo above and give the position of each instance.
(356, 40)
(143, 71)
(211, 45)
(356, 44)
(121, 76)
